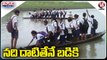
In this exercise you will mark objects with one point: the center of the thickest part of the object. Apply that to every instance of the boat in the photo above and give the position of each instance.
(69, 43)
(41, 18)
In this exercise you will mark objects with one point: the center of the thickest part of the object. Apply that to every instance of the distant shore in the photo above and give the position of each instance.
(37, 5)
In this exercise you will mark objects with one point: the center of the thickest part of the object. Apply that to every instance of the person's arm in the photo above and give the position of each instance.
(88, 13)
(30, 42)
(15, 26)
(15, 23)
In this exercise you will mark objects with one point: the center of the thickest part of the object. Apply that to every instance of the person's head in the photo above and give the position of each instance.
(33, 32)
(70, 19)
(45, 22)
(84, 14)
(16, 12)
(92, 16)
(76, 16)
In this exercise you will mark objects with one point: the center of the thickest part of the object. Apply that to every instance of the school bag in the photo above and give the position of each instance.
(85, 24)
(43, 33)
(95, 24)
(9, 26)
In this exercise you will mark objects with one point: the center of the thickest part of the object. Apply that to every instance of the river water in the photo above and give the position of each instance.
(93, 49)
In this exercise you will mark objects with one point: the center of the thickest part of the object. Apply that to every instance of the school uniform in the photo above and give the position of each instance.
(93, 30)
(64, 13)
(69, 29)
(90, 29)
(76, 23)
(39, 38)
(62, 34)
(83, 29)
(54, 24)
(14, 33)
(49, 27)
(53, 15)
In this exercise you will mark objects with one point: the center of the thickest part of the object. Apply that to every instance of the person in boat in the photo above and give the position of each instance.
(53, 15)
(70, 29)
(50, 11)
(62, 33)
(40, 38)
(56, 29)
(84, 27)
(93, 23)
(76, 27)
(64, 13)
(49, 30)
(33, 15)
(61, 13)
(57, 13)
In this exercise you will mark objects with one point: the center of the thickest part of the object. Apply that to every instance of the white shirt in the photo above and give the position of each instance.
(70, 26)
(39, 36)
(54, 24)
(49, 27)
(14, 20)
(76, 23)
(62, 27)
(90, 20)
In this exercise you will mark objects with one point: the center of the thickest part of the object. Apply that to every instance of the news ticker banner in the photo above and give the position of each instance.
(43, 52)
(8, 6)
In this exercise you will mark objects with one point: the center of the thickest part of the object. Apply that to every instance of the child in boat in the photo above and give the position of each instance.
(62, 28)
(84, 27)
(76, 25)
(39, 36)
(70, 29)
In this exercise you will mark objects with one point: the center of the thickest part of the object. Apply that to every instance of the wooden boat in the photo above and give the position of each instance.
(41, 18)
(89, 38)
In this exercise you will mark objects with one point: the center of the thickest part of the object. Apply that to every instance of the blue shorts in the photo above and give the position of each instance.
(93, 31)
(69, 36)
(62, 38)
(41, 40)
(14, 34)
(76, 33)
(56, 36)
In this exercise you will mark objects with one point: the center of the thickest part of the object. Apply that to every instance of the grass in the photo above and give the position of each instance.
(33, 5)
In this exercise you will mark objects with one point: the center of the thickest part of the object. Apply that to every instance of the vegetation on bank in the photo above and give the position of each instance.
(35, 5)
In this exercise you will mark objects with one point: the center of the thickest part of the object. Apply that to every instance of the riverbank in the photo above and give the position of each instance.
(36, 5)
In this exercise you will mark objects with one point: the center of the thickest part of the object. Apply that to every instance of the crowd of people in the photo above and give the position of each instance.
(58, 32)
(48, 13)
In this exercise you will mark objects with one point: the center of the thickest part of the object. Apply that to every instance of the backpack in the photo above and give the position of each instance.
(9, 26)
(43, 33)
(85, 24)
(95, 24)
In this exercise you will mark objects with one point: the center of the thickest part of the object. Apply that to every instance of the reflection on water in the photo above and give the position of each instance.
(93, 49)
(88, 50)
